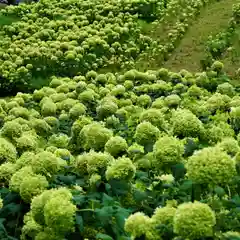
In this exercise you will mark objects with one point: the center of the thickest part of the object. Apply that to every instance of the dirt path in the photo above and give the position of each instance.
(190, 51)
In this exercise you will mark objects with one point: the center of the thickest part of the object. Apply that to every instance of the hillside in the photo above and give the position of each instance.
(120, 120)
(211, 21)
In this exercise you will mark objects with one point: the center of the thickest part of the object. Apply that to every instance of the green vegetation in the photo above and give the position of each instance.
(98, 140)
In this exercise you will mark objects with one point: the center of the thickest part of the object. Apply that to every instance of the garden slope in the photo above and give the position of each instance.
(212, 20)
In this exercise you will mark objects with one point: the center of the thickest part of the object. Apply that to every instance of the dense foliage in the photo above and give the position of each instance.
(67, 38)
(157, 149)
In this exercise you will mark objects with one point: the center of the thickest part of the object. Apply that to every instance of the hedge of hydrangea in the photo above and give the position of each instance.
(120, 156)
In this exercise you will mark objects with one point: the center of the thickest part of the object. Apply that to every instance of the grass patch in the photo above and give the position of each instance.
(38, 82)
(231, 58)
(212, 19)
(7, 20)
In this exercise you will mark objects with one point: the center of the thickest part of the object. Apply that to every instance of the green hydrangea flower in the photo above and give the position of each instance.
(211, 165)
(40, 126)
(48, 108)
(8, 152)
(25, 159)
(167, 151)
(97, 161)
(186, 124)
(106, 109)
(172, 100)
(77, 110)
(229, 145)
(6, 171)
(146, 133)
(11, 129)
(30, 228)
(47, 164)
(144, 100)
(121, 169)
(19, 112)
(1, 203)
(137, 224)
(194, 220)
(18, 177)
(59, 140)
(94, 136)
(162, 216)
(154, 116)
(32, 186)
(226, 88)
(39, 202)
(116, 146)
(27, 142)
(49, 235)
(59, 215)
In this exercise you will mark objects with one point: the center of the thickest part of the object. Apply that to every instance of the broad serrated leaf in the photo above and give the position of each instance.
(4, 192)
(148, 147)
(108, 187)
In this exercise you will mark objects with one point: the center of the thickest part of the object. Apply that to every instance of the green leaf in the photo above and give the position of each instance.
(11, 197)
(68, 180)
(80, 182)
(104, 214)
(219, 191)
(139, 196)
(107, 200)
(121, 216)
(178, 171)
(143, 176)
(187, 185)
(103, 236)
(2, 228)
(190, 147)
(119, 187)
(79, 199)
(108, 187)
(79, 222)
